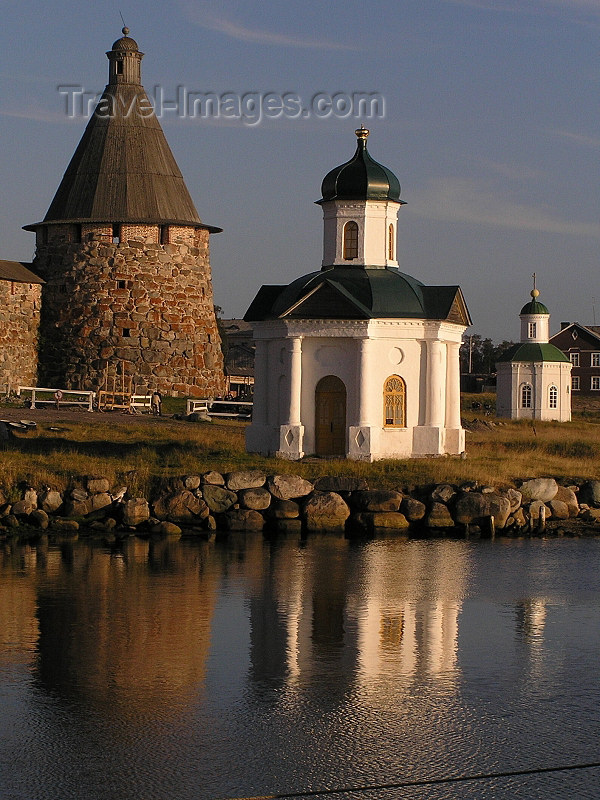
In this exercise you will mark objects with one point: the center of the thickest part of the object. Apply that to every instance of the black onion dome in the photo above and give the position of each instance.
(361, 178)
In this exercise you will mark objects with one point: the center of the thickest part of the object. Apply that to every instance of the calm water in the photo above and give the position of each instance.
(244, 667)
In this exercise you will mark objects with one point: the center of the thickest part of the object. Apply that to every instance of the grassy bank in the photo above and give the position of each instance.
(136, 451)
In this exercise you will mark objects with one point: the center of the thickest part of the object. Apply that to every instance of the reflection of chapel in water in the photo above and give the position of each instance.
(357, 619)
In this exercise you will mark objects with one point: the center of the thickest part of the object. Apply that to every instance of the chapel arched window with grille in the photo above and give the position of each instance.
(394, 402)
(350, 240)
(526, 395)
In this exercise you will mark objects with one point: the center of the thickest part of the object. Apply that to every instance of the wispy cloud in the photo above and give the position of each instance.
(39, 115)
(581, 11)
(201, 14)
(465, 201)
(579, 138)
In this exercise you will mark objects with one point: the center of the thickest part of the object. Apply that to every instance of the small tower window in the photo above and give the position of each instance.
(394, 402)
(121, 285)
(119, 67)
(531, 329)
(350, 241)
(391, 242)
(116, 234)
(553, 397)
(164, 234)
(526, 395)
(126, 332)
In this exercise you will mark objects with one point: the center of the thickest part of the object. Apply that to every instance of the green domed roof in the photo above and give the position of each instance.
(534, 307)
(533, 352)
(361, 178)
(350, 293)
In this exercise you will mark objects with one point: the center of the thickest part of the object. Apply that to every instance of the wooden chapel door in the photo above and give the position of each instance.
(330, 417)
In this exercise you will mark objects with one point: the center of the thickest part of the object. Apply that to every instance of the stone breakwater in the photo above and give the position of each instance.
(252, 501)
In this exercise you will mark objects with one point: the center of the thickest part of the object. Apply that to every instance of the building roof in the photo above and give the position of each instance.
(361, 178)
(534, 307)
(532, 352)
(123, 170)
(19, 272)
(356, 293)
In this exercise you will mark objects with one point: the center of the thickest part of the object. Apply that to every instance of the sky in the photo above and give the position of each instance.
(486, 110)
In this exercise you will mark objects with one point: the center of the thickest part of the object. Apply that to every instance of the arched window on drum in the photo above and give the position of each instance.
(394, 402)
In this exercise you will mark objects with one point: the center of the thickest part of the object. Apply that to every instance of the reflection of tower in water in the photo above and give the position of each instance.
(118, 633)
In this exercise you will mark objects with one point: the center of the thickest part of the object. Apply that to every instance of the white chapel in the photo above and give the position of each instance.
(358, 359)
(533, 377)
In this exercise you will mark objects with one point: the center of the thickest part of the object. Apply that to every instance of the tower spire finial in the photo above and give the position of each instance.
(535, 291)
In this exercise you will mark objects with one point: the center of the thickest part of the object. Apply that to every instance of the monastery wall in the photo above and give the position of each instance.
(19, 321)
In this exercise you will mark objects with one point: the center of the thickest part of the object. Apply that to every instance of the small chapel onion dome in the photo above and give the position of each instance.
(361, 178)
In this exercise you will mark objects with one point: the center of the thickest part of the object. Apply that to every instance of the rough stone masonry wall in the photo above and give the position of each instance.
(19, 322)
(139, 302)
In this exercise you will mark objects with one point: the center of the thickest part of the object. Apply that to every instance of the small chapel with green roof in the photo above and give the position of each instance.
(533, 376)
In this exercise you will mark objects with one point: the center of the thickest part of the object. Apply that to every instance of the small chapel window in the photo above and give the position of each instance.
(553, 397)
(116, 233)
(350, 241)
(394, 402)
(526, 395)
(531, 328)
(391, 242)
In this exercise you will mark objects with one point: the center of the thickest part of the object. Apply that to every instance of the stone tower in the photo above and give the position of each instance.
(125, 256)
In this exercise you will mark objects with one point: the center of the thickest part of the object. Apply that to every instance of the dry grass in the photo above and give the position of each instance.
(136, 453)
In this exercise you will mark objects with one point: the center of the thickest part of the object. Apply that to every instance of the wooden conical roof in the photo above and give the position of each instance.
(123, 169)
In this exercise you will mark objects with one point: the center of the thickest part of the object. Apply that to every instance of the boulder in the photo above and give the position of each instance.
(97, 485)
(22, 508)
(213, 478)
(166, 528)
(257, 499)
(514, 498)
(590, 494)
(335, 483)
(543, 489)
(284, 509)
(242, 519)
(182, 506)
(31, 496)
(50, 501)
(191, 482)
(534, 510)
(443, 493)
(438, 516)
(135, 511)
(78, 494)
(567, 495)
(413, 510)
(217, 498)
(325, 511)
(247, 479)
(475, 507)
(64, 525)
(290, 526)
(371, 521)
(376, 500)
(287, 487)
(558, 509)
(98, 501)
(38, 518)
